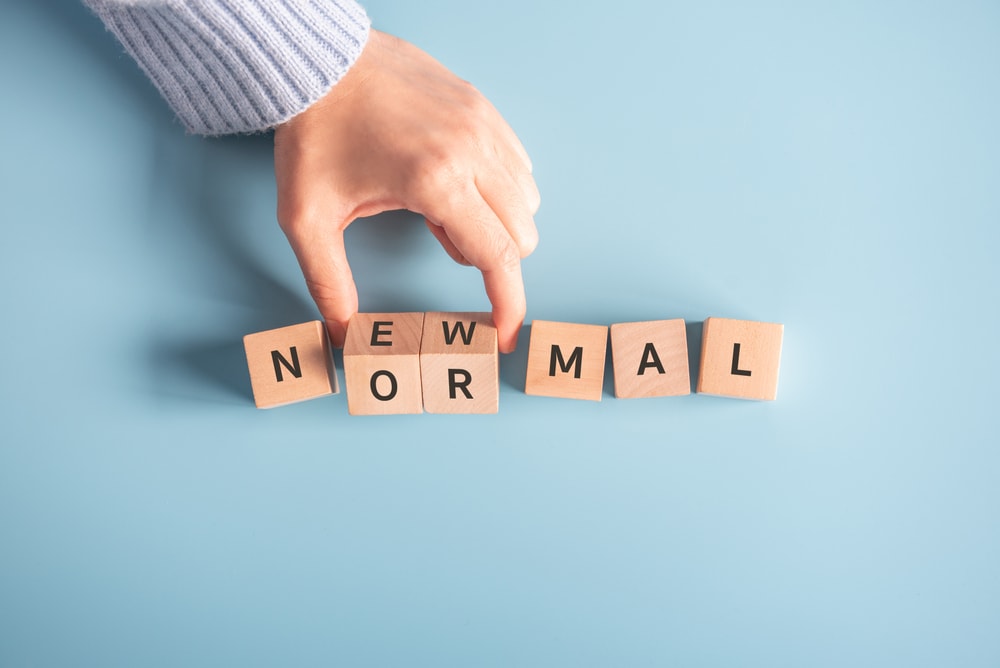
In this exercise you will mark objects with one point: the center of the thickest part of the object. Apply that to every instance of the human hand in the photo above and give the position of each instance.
(400, 131)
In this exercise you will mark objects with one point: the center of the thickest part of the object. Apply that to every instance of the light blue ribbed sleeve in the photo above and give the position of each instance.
(231, 66)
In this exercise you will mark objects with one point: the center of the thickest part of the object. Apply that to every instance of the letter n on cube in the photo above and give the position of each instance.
(290, 364)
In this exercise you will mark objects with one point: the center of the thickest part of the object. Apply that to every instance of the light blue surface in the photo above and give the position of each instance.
(834, 167)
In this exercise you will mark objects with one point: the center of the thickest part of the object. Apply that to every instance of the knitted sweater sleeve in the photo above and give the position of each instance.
(231, 66)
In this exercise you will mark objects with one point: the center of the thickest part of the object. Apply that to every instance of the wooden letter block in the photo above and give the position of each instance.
(740, 358)
(382, 363)
(566, 360)
(290, 364)
(459, 363)
(650, 359)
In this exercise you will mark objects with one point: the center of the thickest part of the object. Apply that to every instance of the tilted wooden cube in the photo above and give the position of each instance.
(650, 359)
(459, 363)
(290, 364)
(740, 358)
(566, 360)
(382, 363)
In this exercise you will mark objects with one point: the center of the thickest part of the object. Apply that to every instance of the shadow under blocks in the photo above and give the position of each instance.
(446, 362)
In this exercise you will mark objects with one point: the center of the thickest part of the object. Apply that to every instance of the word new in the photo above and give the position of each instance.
(448, 362)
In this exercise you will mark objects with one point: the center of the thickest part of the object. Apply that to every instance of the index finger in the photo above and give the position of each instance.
(479, 235)
(505, 290)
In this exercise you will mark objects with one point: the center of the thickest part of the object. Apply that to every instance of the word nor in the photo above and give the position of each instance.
(448, 362)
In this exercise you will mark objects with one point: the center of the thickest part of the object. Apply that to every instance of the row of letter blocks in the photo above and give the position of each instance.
(448, 362)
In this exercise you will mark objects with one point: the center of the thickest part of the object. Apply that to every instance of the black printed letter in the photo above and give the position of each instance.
(556, 356)
(377, 331)
(455, 384)
(449, 337)
(280, 361)
(737, 371)
(650, 360)
(392, 385)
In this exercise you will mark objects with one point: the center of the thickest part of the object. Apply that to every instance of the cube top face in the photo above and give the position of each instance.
(290, 364)
(384, 334)
(458, 334)
(740, 358)
(650, 359)
(566, 360)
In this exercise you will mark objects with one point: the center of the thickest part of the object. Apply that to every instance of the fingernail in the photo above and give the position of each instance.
(508, 343)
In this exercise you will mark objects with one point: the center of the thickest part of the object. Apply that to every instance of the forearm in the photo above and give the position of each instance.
(231, 66)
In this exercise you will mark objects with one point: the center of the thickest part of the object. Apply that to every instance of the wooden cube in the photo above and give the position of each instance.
(382, 363)
(650, 359)
(459, 363)
(740, 358)
(290, 364)
(566, 360)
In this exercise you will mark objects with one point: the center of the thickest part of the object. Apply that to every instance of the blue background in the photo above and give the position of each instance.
(831, 166)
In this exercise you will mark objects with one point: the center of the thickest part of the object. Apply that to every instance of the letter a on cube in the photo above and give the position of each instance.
(459, 363)
(740, 358)
(382, 363)
(650, 359)
(290, 364)
(566, 360)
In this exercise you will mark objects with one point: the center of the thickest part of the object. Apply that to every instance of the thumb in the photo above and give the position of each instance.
(323, 260)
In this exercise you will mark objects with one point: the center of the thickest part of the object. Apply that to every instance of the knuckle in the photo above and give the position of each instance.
(465, 128)
(296, 215)
(324, 295)
(528, 242)
(535, 201)
(469, 94)
(472, 113)
(507, 256)
(334, 301)
(289, 215)
(476, 105)
(440, 172)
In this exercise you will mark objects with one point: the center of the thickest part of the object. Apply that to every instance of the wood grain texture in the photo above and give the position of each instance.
(740, 358)
(566, 360)
(290, 364)
(459, 363)
(650, 359)
(382, 363)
